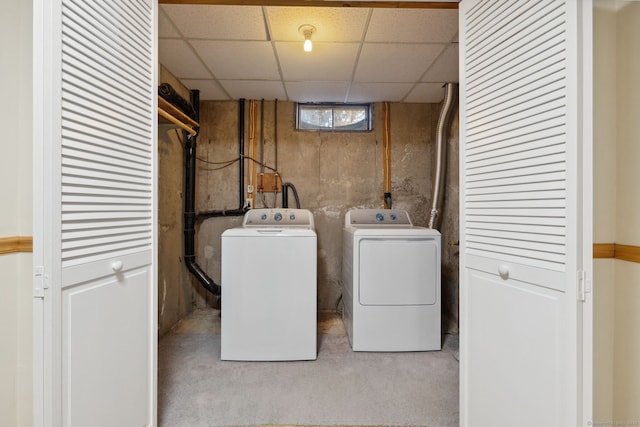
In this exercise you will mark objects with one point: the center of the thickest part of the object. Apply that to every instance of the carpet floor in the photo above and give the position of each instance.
(340, 388)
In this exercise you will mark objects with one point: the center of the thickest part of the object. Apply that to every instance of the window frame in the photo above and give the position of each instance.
(368, 107)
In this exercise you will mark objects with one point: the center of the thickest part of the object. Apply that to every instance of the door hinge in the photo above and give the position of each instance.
(40, 281)
(584, 285)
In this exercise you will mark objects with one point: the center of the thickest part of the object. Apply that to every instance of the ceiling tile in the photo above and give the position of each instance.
(166, 27)
(238, 60)
(218, 22)
(178, 57)
(327, 61)
(332, 24)
(445, 68)
(209, 89)
(413, 25)
(426, 93)
(250, 53)
(377, 92)
(389, 62)
(254, 89)
(317, 91)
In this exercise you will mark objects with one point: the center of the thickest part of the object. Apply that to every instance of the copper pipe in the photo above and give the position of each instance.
(253, 117)
(386, 154)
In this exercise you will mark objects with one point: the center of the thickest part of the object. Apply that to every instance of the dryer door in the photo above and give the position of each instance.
(398, 271)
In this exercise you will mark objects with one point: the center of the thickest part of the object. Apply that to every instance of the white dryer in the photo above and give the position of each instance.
(269, 287)
(391, 282)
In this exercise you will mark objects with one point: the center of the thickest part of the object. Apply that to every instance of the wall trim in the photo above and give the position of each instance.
(604, 250)
(9, 245)
(614, 250)
(628, 253)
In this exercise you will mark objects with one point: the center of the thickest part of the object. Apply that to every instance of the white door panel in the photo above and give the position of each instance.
(96, 82)
(106, 352)
(516, 347)
(524, 212)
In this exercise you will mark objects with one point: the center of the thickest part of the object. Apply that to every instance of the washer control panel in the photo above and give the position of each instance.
(377, 217)
(278, 218)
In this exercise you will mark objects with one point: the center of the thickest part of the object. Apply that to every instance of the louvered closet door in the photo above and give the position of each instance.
(104, 304)
(523, 98)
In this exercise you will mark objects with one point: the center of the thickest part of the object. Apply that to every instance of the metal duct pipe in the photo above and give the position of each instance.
(442, 136)
(190, 145)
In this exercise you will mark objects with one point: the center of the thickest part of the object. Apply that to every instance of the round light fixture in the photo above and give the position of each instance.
(307, 30)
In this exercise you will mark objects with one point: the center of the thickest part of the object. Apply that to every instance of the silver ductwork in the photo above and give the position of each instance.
(442, 136)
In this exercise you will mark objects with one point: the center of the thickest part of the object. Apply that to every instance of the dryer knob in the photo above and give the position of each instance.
(393, 217)
(292, 217)
(263, 217)
(278, 216)
(379, 217)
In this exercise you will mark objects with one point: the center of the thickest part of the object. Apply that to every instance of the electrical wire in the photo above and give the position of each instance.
(339, 307)
(227, 163)
(264, 200)
(218, 163)
(260, 163)
(224, 164)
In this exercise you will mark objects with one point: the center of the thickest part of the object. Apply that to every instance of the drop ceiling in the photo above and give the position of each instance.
(359, 54)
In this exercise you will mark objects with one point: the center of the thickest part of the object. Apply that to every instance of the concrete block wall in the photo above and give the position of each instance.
(332, 172)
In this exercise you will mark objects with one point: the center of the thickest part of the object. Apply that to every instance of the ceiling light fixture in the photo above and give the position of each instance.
(306, 30)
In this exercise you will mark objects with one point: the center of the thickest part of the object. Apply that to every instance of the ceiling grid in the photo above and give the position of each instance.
(359, 54)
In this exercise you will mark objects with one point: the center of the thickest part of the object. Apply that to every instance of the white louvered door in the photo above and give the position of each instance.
(525, 212)
(100, 348)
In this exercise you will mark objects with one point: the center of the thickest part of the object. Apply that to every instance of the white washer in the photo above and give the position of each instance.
(391, 282)
(269, 282)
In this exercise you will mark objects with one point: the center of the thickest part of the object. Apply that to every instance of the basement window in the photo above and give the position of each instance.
(334, 117)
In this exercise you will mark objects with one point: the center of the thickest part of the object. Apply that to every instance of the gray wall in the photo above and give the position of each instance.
(333, 172)
(176, 293)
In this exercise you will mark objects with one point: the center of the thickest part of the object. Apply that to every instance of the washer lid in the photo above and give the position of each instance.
(270, 231)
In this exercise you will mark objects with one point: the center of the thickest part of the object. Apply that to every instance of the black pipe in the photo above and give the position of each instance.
(275, 131)
(285, 195)
(218, 213)
(241, 210)
(387, 201)
(241, 153)
(189, 206)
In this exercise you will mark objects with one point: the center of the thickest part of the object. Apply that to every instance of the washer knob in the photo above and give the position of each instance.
(263, 216)
(278, 216)
(393, 217)
(292, 217)
(379, 217)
